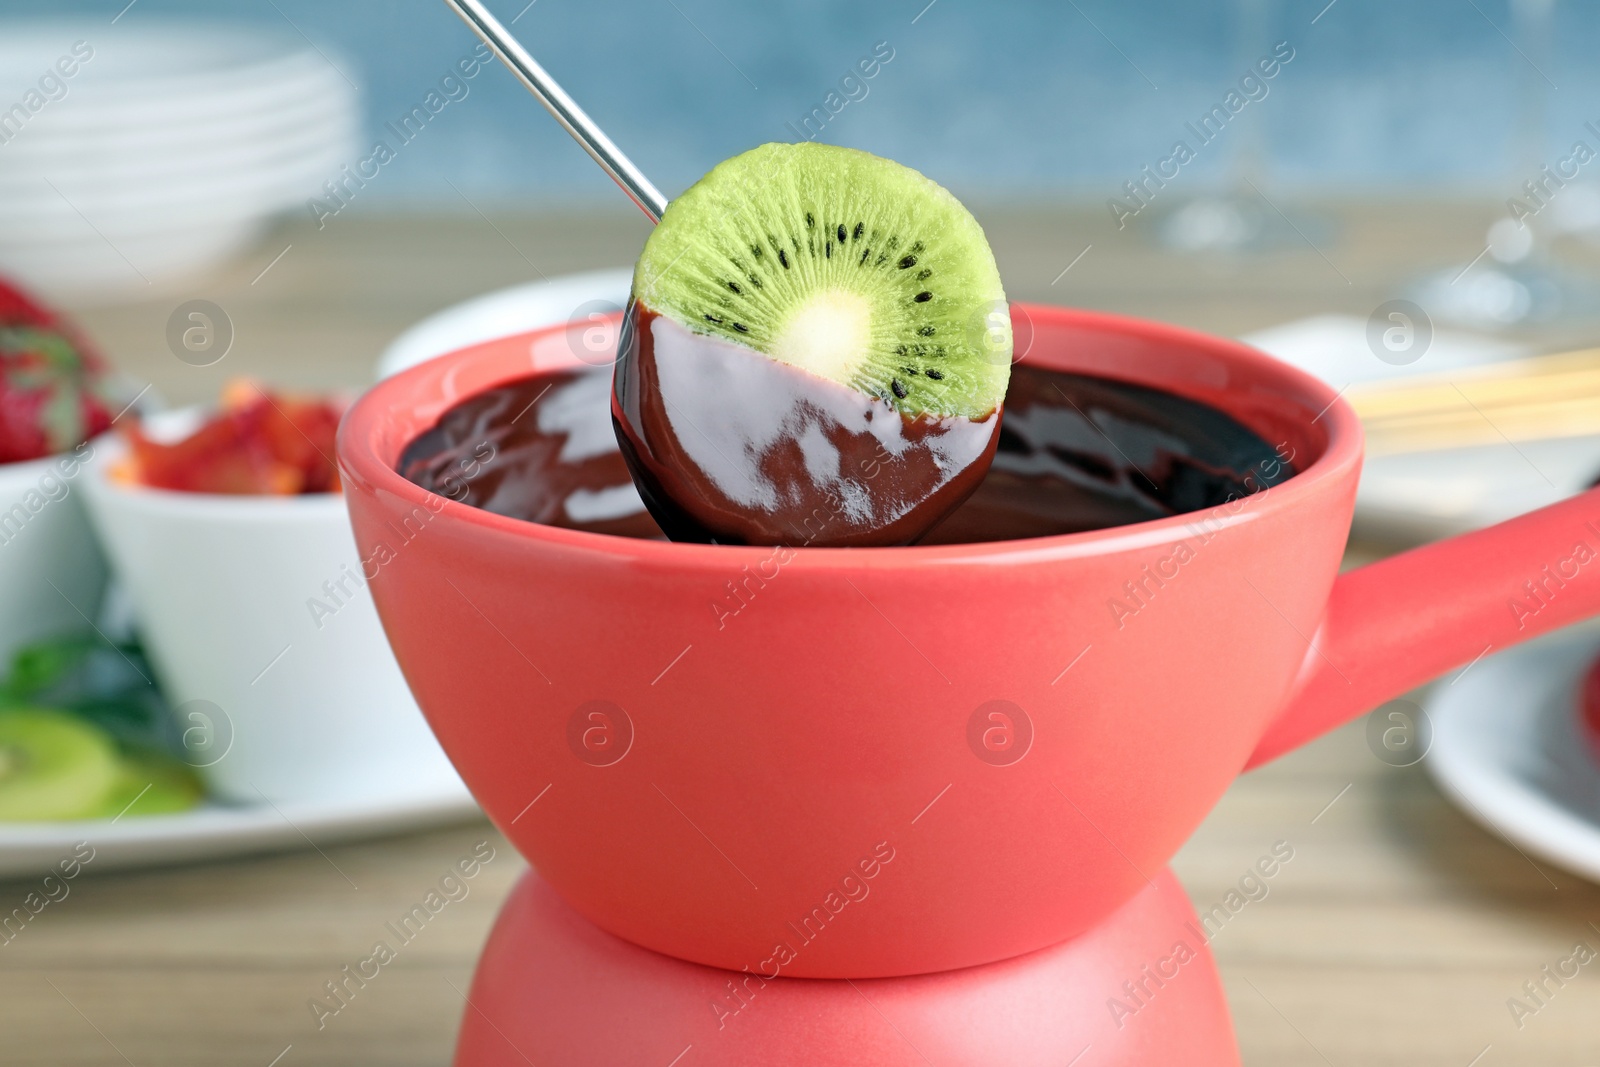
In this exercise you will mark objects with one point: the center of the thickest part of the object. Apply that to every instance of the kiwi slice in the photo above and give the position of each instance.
(852, 267)
(151, 783)
(53, 766)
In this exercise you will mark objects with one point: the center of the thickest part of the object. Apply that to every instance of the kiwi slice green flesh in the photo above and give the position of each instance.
(53, 766)
(151, 783)
(849, 266)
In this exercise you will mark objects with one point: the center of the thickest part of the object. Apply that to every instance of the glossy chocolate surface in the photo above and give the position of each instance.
(729, 446)
(1084, 453)
(1074, 453)
(540, 449)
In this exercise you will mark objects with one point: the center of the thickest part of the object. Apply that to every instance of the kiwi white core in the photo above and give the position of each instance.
(852, 267)
(829, 334)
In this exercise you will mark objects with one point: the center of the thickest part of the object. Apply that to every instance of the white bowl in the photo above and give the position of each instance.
(83, 168)
(288, 154)
(226, 591)
(186, 70)
(172, 148)
(517, 309)
(102, 109)
(41, 210)
(43, 142)
(51, 571)
(87, 267)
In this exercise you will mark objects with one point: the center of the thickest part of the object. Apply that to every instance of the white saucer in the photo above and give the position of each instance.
(1508, 749)
(215, 832)
(1423, 496)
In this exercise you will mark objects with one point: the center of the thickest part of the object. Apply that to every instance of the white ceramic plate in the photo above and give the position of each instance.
(186, 72)
(153, 204)
(115, 112)
(201, 145)
(100, 168)
(1507, 749)
(1423, 496)
(215, 832)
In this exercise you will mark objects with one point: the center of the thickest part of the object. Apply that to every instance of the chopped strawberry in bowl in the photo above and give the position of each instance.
(259, 443)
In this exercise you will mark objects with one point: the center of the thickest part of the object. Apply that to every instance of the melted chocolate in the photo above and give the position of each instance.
(729, 446)
(1075, 453)
(1084, 453)
(540, 449)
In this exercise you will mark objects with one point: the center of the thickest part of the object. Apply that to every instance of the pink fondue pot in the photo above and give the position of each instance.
(906, 760)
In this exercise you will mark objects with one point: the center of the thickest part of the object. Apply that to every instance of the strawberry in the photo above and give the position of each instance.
(18, 308)
(53, 392)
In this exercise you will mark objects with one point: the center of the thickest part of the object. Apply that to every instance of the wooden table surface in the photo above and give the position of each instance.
(1395, 936)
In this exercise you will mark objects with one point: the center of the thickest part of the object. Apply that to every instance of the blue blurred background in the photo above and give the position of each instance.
(1024, 99)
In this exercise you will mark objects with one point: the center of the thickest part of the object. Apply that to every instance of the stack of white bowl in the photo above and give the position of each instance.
(167, 149)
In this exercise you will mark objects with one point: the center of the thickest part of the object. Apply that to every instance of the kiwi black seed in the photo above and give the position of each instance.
(899, 228)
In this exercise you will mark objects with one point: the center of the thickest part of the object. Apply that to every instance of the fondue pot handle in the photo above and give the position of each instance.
(1394, 624)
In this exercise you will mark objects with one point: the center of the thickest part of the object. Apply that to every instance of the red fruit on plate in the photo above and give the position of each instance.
(53, 392)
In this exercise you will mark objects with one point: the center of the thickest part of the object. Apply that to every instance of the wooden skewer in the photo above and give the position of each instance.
(1516, 381)
(1522, 400)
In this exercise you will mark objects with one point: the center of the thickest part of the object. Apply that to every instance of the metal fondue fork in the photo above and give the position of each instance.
(566, 110)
